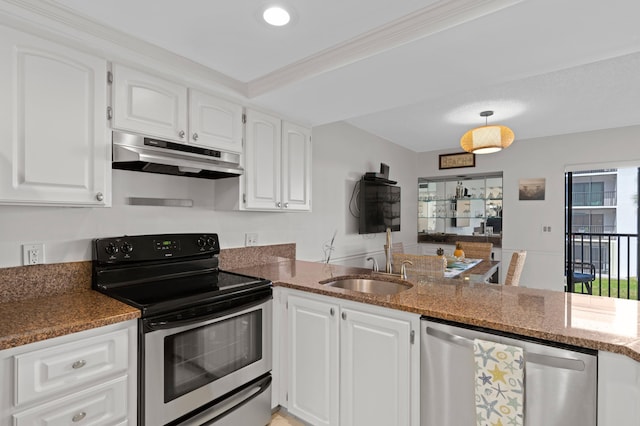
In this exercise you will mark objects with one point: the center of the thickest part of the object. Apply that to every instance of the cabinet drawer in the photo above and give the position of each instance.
(102, 405)
(62, 368)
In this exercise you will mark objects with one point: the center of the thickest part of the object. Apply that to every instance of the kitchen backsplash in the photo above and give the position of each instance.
(26, 282)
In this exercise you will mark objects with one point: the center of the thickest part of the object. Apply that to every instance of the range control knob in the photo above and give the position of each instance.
(211, 241)
(201, 242)
(127, 248)
(111, 248)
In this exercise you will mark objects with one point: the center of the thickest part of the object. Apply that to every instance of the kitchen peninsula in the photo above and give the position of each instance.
(609, 326)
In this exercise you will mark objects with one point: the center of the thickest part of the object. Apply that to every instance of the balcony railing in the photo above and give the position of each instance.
(604, 264)
(593, 229)
(595, 199)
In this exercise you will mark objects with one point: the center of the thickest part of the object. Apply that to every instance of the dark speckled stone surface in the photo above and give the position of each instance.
(36, 319)
(24, 282)
(44, 301)
(243, 257)
(581, 320)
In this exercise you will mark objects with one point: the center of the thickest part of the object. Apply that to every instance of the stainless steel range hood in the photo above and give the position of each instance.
(145, 154)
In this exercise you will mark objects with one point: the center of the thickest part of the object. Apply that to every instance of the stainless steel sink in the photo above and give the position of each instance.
(371, 286)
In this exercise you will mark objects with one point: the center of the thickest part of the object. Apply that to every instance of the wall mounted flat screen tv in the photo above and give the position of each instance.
(379, 204)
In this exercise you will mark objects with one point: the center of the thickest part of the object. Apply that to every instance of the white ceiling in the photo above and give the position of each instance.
(415, 72)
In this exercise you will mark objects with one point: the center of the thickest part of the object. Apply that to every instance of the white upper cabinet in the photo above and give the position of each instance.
(296, 167)
(153, 106)
(54, 145)
(262, 161)
(214, 122)
(278, 164)
(148, 104)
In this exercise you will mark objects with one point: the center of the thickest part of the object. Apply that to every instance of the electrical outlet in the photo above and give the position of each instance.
(32, 254)
(250, 239)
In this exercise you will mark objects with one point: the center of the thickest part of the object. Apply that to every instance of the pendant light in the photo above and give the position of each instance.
(487, 139)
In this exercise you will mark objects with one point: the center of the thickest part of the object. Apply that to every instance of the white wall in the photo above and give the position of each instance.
(547, 158)
(341, 154)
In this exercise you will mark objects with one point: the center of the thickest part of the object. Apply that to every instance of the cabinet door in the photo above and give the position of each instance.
(149, 105)
(262, 167)
(214, 123)
(313, 361)
(53, 134)
(375, 364)
(618, 390)
(296, 167)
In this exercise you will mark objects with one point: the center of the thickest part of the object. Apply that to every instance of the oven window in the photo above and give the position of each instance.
(202, 355)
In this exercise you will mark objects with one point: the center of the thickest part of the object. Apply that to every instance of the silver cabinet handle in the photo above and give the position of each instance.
(99, 196)
(78, 416)
(286, 205)
(332, 311)
(78, 364)
(181, 134)
(195, 136)
(344, 315)
(278, 204)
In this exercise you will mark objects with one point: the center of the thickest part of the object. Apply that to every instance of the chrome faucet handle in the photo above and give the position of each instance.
(403, 268)
(375, 264)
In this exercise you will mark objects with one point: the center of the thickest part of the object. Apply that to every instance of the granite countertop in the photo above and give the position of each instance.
(30, 320)
(593, 322)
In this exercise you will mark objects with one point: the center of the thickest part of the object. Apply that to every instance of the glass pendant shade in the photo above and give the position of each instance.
(487, 139)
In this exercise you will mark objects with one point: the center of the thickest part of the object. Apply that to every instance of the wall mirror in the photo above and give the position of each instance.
(469, 205)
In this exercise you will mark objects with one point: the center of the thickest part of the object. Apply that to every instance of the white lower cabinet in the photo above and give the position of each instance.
(351, 363)
(618, 390)
(85, 378)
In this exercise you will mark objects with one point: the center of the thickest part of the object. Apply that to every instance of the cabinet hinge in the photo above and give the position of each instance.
(109, 77)
(244, 118)
(109, 113)
(412, 337)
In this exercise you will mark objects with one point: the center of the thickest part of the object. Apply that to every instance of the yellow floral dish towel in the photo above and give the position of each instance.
(499, 384)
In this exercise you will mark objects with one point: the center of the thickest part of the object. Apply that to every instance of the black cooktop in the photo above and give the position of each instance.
(168, 272)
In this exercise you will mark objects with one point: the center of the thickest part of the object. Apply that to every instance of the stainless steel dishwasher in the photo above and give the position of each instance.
(560, 382)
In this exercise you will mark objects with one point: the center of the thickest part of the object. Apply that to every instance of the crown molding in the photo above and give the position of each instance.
(68, 18)
(422, 23)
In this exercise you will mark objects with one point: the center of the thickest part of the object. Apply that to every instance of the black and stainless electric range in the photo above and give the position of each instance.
(204, 335)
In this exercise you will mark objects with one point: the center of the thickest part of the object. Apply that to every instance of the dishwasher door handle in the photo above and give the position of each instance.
(532, 357)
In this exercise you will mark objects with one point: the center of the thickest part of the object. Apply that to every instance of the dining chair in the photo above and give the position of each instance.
(396, 248)
(422, 264)
(474, 250)
(585, 273)
(515, 268)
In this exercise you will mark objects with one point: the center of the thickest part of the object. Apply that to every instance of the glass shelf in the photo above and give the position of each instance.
(460, 205)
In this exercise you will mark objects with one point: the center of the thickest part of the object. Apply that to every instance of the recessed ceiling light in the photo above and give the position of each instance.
(276, 16)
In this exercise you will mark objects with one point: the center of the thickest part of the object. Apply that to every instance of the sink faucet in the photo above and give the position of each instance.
(375, 264)
(403, 269)
(387, 252)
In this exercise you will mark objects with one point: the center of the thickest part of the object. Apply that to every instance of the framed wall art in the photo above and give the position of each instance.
(458, 160)
(531, 189)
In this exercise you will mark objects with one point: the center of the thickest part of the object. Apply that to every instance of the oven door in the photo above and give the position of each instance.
(190, 365)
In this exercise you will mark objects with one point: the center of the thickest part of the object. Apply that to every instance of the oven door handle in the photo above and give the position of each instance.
(151, 325)
(227, 407)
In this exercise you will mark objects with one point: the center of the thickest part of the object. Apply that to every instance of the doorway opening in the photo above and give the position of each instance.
(602, 253)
